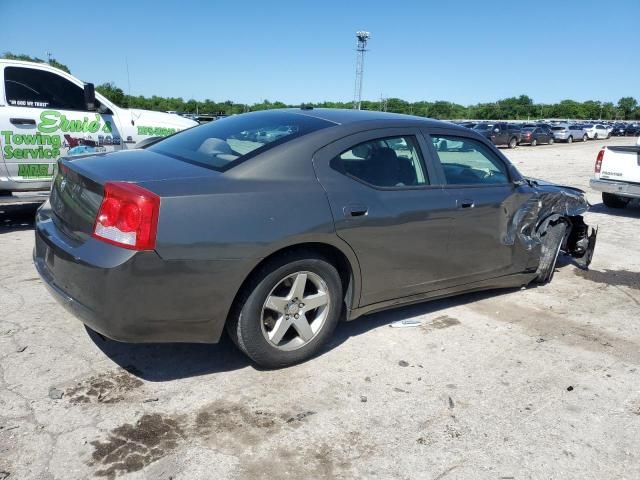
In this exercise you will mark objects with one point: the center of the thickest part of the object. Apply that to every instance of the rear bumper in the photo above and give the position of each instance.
(623, 189)
(135, 296)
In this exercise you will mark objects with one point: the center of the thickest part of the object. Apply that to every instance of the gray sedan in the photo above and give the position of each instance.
(276, 238)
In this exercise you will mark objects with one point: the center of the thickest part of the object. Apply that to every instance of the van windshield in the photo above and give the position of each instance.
(224, 143)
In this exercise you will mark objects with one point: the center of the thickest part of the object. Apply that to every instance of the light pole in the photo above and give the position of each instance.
(361, 48)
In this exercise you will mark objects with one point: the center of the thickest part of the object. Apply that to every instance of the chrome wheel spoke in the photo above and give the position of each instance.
(303, 328)
(314, 301)
(277, 304)
(279, 329)
(299, 284)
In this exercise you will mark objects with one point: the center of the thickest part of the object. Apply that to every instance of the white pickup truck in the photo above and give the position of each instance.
(46, 113)
(617, 175)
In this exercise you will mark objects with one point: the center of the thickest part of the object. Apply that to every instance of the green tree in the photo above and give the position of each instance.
(627, 105)
(113, 93)
(53, 62)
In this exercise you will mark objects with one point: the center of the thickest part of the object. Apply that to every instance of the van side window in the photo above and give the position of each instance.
(30, 87)
(384, 162)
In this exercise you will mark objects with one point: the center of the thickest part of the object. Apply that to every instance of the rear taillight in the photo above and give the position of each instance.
(599, 158)
(128, 216)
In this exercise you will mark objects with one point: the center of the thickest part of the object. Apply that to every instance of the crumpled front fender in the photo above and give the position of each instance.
(548, 205)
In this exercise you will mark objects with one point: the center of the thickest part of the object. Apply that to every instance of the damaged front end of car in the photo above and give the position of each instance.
(549, 205)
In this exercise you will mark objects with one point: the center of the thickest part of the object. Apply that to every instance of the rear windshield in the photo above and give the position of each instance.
(221, 144)
(558, 128)
(483, 126)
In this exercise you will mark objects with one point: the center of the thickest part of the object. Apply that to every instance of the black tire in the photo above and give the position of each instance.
(614, 201)
(585, 137)
(570, 139)
(534, 143)
(244, 324)
(551, 245)
(513, 142)
(551, 140)
(595, 137)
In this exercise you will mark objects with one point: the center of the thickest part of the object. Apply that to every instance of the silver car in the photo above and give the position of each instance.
(569, 133)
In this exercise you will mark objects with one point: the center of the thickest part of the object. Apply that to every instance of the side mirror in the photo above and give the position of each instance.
(90, 96)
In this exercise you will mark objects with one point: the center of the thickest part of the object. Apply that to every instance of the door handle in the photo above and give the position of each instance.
(355, 210)
(466, 203)
(22, 121)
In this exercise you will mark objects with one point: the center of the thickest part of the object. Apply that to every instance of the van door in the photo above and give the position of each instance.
(45, 118)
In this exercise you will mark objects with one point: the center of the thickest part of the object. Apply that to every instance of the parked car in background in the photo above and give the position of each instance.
(569, 133)
(536, 135)
(633, 130)
(617, 174)
(277, 241)
(500, 133)
(596, 131)
(619, 130)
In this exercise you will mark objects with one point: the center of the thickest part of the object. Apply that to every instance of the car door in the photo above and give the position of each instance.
(390, 208)
(476, 176)
(503, 136)
(47, 118)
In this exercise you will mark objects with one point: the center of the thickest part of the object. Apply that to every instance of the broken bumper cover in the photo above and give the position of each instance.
(623, 189)
(550, 204)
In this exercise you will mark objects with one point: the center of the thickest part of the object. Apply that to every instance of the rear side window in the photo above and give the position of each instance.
(384, 162)
(224, 143)
(30, 87)
(466, 161)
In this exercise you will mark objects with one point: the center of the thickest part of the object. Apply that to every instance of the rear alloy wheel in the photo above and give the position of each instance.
(289, 313)
(614, 201)
(585, 138)
(570, 139)
(551, 245)
(595, 137)
(551, 140)
(534, 142)
(513, 142)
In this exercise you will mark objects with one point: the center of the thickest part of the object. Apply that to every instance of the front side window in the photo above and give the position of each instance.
(385, 162)
(30, 87)
(466, 161)
(221, 144)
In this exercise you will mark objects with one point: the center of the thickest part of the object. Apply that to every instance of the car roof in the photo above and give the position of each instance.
(345, 117)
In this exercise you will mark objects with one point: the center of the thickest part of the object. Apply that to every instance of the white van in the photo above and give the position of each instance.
(46, 113)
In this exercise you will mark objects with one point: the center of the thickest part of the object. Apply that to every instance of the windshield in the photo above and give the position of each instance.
(221, 144)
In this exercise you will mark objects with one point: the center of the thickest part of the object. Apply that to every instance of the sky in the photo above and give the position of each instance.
(465, 51)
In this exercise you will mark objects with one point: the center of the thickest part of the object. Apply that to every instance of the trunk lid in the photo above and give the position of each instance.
(621, 164)
(78, 187)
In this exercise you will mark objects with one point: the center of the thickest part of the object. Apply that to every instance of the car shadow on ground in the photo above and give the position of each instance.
(161, 362)
(17, 217)
(632, 210)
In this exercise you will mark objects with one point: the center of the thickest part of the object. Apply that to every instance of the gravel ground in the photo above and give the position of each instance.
(537, 383)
